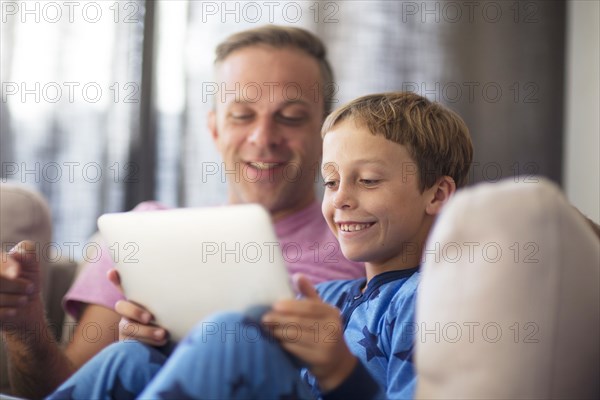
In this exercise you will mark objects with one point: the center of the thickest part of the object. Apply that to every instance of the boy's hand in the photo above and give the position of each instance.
(312, 330)
(136, 320)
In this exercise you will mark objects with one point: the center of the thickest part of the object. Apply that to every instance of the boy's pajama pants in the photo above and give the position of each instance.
(229, 356)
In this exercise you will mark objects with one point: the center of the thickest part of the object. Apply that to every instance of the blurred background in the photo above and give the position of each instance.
(104, 103)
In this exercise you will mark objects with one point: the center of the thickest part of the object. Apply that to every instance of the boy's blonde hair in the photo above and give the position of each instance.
(281, 37)
(436, 137)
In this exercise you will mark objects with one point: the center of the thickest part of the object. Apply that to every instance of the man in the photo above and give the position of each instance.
(266, 124)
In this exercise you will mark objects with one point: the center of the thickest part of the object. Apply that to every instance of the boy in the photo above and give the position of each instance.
(390, 162)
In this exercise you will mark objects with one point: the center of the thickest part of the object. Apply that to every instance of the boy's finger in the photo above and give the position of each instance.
(297, 324)
(305, 287)
(152, 335)
(310, 309)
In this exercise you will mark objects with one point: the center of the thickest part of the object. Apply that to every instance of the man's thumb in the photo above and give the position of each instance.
(25, 254)
(9, 268)
(114, 277)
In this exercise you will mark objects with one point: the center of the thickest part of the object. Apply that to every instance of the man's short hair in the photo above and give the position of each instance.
(437, 139)
(283, 37)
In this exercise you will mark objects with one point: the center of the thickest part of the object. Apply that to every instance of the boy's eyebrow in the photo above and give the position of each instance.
(359, 161)
(362, 161)
(368, 161)
(327, 165)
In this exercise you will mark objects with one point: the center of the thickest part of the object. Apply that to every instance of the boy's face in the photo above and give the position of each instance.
(267, 126)
(372, 201)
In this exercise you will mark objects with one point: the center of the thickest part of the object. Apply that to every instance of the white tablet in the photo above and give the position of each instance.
(185, 264)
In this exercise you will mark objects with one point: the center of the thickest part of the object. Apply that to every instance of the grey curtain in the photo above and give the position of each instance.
(499, 64)
(71, 95)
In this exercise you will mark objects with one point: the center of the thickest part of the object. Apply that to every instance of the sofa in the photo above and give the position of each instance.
(509, 303)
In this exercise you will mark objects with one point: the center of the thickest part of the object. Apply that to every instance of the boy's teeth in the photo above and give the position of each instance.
(353, 227)
(263, 165)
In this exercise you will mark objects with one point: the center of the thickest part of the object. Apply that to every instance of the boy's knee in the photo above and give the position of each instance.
(132, 352)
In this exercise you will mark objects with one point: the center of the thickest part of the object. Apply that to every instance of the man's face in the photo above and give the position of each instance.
(266, 125)
(372, 200)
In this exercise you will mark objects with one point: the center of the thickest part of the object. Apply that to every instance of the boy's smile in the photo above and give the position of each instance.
(350, 226)
(372, 200)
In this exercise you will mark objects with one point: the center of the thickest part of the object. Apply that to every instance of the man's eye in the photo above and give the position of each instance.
(240, 116)
(291, 119)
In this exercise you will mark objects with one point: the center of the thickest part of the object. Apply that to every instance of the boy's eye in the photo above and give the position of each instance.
(330, 184)
(370, 182)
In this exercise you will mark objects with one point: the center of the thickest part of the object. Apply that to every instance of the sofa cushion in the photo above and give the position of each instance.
(509, 303)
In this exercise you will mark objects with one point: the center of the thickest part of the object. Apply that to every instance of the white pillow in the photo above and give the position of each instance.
(509, 303)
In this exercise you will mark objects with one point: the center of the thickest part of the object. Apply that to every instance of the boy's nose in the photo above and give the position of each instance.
(264, 134)
(343, 198)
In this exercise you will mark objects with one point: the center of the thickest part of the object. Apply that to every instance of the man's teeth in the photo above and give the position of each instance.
(263, 165)
(354, 227)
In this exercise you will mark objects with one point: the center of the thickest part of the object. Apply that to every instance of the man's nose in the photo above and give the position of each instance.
(265, 133)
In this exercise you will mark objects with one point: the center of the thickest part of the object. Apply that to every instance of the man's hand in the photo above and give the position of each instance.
(20, 287)
(312, 330)
(136, 321)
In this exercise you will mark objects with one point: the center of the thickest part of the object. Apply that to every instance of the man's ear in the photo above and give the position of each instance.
(440, 193)
(211, 121)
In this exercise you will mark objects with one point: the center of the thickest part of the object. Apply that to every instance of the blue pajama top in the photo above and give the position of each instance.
(379, 328)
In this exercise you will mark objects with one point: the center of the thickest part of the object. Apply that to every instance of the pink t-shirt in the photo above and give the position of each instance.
(307, 244)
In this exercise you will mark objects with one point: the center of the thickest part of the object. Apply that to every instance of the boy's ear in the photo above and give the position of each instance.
(441, 192)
